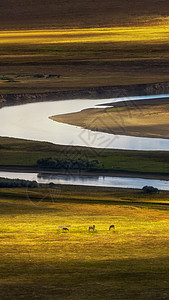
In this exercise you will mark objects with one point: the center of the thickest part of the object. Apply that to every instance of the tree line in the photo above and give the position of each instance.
(12, 183)
(68, 164)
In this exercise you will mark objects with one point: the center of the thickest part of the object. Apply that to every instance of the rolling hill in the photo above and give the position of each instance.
(21, 14)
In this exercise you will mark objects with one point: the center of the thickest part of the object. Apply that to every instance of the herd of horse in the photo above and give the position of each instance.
(65, 227)
(93, 227)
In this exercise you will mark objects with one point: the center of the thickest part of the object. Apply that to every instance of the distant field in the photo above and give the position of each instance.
(88, 43)
(83, 58)
(72, 14)
(151, 33)
(40, 261)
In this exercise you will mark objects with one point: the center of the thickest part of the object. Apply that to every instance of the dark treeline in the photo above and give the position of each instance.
(68, 164)
(149, 189)
(12, 183)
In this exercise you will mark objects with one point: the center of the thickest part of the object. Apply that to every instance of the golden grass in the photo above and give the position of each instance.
(84, 57)
(158, 32)
(32, 231)
(40, 261)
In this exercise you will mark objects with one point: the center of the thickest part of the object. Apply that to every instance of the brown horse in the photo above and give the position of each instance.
(65, 228)
(111, 227)
(92, 227)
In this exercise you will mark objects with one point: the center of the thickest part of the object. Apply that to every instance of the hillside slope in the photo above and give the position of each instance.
(89, 13)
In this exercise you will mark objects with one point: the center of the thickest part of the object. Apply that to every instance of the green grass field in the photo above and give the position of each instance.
(40, 261)
(24, 154)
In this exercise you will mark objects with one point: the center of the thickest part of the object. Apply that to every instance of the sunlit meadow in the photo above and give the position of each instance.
(145, 33)
(40, 260)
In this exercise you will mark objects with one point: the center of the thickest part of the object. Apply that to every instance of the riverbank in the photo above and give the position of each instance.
(142, 118)
(101, 92)
(146, 164)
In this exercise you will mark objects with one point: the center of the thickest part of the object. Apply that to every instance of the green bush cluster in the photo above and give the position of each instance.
(149, 189)
(68, 164)
(12, 183)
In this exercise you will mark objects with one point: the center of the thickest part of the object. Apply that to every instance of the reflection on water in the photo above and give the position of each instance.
(102, 181)
(31, 121)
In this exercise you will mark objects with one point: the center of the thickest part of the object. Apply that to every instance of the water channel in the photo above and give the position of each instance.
(31, 122)
(94, 180)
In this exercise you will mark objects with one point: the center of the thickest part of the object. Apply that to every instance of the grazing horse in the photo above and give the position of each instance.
(65, 228)
(92, 227)
(111, 226)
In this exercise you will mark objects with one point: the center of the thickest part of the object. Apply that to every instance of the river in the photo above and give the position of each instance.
(103, 181)
(31, 122)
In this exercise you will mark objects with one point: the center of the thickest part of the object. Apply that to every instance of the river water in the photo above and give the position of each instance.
(104, 181)
(31, 122)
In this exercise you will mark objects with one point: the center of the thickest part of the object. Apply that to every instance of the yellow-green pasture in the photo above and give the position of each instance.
(40, 261)
(154, 32)
(84, 57)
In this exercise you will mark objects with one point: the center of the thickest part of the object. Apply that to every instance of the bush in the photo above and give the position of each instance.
(12, 183)
(68, 164)
(149, 189)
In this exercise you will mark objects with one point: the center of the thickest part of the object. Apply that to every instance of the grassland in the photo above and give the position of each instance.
(83, 57)
(37, 260)
(19, 154)
(156, 33)
(40, 261)
(58, 14)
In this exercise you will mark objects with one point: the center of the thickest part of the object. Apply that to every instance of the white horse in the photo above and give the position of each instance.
(92, 227)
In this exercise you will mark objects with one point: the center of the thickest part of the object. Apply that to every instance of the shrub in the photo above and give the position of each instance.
(68, 164)
(12, 183)
(149, 189)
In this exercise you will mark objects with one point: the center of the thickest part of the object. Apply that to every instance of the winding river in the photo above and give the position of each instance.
(31, 122)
